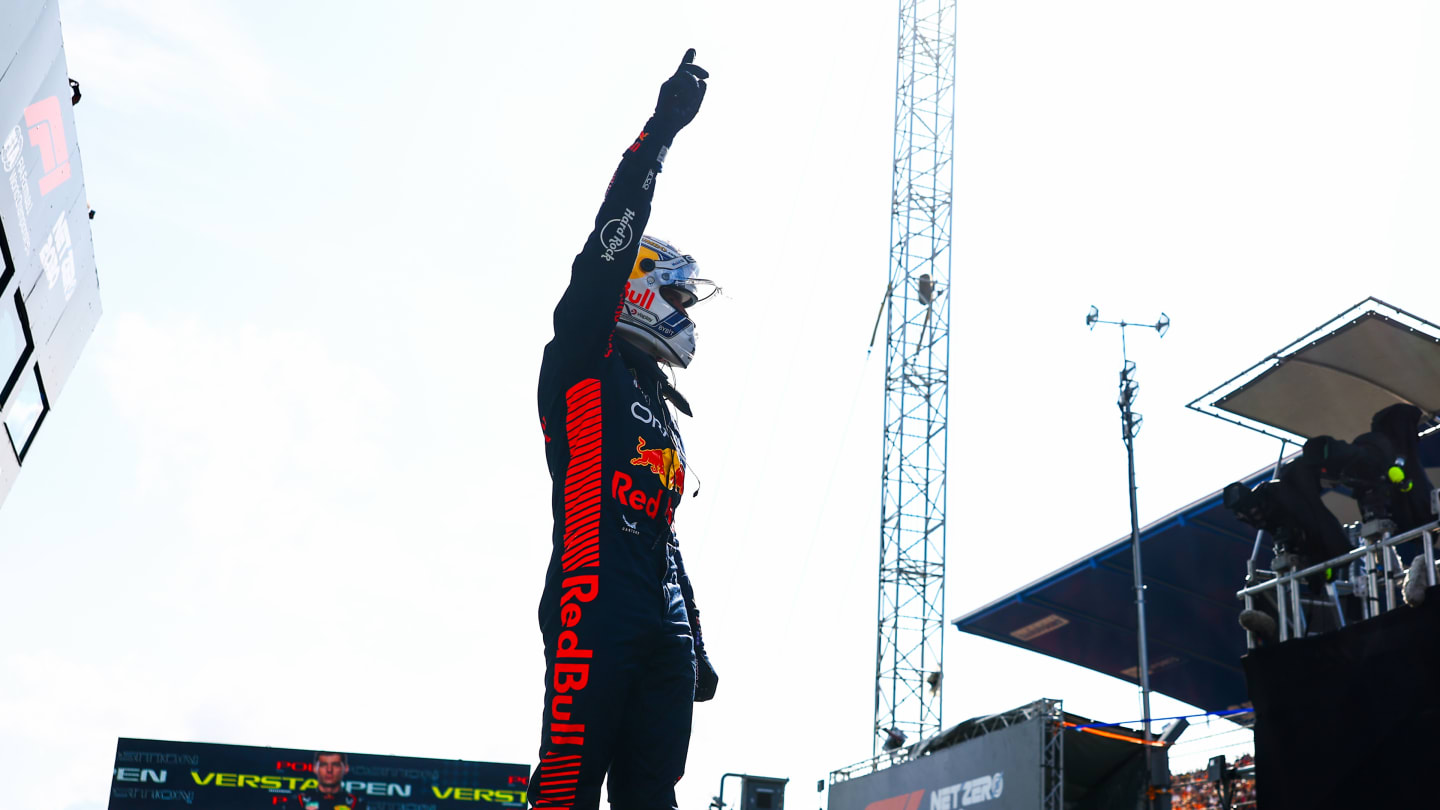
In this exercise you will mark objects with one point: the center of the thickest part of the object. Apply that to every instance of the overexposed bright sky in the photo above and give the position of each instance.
(294, 493)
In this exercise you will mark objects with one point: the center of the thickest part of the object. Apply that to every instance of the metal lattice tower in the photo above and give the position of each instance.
(917, 362)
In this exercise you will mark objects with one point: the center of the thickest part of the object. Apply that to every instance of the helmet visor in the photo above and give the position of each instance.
(692, 289)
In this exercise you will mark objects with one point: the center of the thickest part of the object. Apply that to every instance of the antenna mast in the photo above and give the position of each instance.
(910, 638)
(1129, 427)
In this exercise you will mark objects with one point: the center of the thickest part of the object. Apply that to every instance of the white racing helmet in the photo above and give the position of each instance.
(647, 319)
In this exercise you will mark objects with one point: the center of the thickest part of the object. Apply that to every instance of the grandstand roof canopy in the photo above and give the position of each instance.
(1195, 558)
(1332, 380)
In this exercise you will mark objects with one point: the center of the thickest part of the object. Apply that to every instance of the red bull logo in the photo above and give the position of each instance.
(623, 489)
(571, 676)
(642, 300)
(665, 463)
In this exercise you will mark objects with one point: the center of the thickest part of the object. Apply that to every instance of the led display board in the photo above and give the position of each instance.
(49, 289)
(159, 775)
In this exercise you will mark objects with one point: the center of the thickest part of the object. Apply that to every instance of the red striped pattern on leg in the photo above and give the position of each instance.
(583, 476)
(558, 776)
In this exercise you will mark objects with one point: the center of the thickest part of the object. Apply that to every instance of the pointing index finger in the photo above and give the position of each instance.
(689, 57)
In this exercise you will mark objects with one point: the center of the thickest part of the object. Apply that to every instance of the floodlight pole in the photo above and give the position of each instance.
(1130, 426)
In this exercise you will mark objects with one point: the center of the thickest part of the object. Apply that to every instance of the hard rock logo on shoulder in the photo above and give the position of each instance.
(616, 234)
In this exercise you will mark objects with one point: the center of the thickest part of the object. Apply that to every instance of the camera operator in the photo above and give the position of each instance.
(1383, 472)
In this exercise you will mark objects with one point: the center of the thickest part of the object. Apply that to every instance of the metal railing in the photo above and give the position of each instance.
(1374, 566)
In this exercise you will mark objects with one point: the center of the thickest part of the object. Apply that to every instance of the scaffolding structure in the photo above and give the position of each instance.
(1052, 759)
(910, 637)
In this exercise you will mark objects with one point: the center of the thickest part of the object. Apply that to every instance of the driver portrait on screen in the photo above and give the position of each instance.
(329, 791)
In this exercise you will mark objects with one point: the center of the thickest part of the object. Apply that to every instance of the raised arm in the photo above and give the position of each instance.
(585, 317)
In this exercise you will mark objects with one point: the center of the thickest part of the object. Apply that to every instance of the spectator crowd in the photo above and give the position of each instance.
(1195, 791)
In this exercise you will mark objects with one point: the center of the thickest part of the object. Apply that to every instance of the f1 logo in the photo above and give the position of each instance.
(48, 132)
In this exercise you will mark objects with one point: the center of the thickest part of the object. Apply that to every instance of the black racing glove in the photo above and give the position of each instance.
(705, 678)
(680, 97)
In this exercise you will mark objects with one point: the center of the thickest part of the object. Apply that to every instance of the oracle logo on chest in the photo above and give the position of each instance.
(644, 415)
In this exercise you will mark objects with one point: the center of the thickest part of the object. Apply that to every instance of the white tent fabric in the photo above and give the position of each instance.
(1333, 384)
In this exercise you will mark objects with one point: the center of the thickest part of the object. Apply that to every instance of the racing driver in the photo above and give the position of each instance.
(623, 651)
(329, 793)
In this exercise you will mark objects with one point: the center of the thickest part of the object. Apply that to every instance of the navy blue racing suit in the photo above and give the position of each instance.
(620, 661)
(316, 800)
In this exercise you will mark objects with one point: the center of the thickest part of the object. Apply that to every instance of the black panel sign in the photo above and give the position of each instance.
(996, 771)
(158, 775)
